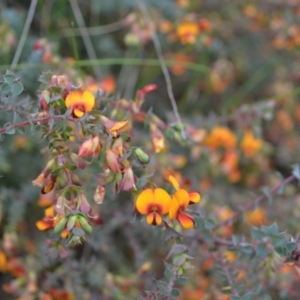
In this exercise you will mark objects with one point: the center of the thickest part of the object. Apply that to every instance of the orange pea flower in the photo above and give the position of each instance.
(187, 32)
(180, 201)
(49, 221)
(114, 128)
(154, 203)
(80, 102)
(250, 145)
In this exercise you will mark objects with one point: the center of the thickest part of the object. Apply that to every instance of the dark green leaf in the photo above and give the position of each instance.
(175, 293)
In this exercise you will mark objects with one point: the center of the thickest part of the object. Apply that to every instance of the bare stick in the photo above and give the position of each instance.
(24, 33)
(160, 56)
(85, 36)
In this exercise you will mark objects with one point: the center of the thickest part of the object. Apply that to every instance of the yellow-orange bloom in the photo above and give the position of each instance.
(114, 128)
(180, 201)
(80, 102)
(154, 203)
(187, 32)
(250, 145)
(49, 221)
(194, 196)
(220, 137)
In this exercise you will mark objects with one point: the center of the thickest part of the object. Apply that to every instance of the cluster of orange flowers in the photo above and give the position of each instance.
(225, 139)
(154, 203)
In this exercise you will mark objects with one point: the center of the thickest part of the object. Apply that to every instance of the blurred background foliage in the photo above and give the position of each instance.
(233, 64)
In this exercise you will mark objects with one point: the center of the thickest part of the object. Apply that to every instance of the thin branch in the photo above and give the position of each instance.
(24, 33)
(160, 56)
(255, 202)
(85, 36)
(226, 272)
(34, 121)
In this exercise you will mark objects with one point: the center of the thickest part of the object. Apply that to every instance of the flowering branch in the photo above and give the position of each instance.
(255, 202)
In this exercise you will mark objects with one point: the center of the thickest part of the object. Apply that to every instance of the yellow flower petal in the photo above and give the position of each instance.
(195, 197)
(73, 98)
(186, 221)
(78, 113)
(163, 199)
(174, 182)
(120, 126)
(49, 212)
(174, 208)
(89, 100)
(3, 262)
(183, 198)
(154, 218)
(43, 225)
(144, 199)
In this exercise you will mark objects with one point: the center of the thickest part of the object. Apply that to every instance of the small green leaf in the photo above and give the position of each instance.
(170, 233)
(232, 297)
(272, 229)
(17, 88)
(261, 250)
(10, 130)
(290, 246)
(178, 260)
(181, 280)
(8, 72)
(278, 240)
(175, 293)
(247, 296)
(207, 236)
(257, 233)
(5, 88)
(209, 224)
(247, 249)
(9, 79)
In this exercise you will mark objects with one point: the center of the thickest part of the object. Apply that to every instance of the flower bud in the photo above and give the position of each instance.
(87, 228)
(141, 155)
(112, 161)
(84, 204)
(71, 222)
(90, 147)
(127, 182)
(60, 226)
